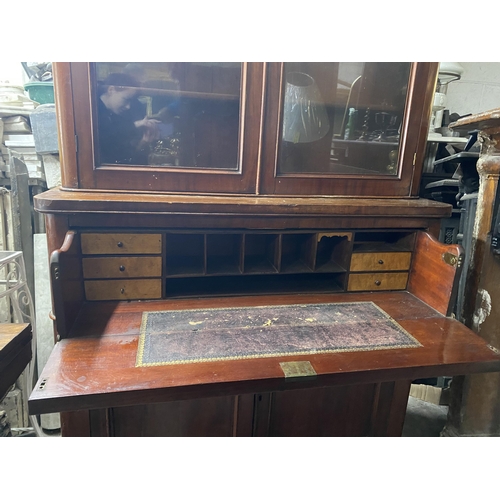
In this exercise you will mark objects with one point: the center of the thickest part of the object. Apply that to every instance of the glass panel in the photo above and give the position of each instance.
(168, 114)
(342, 118)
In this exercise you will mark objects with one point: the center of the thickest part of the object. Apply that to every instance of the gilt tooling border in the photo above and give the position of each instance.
(220, 334)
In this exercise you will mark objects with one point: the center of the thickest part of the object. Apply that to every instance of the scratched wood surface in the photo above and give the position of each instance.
(96, 367)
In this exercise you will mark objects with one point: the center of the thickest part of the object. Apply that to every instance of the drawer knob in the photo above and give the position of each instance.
(380, 261)
(119, 244)
(378, 282)
(122, 290)
(122, 268)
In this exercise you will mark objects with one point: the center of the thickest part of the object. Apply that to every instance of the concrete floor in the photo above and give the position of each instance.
(424, 419)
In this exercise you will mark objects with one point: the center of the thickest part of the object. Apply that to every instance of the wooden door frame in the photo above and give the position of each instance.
(413, 141)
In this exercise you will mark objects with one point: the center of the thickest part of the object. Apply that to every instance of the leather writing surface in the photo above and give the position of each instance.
(190, 336)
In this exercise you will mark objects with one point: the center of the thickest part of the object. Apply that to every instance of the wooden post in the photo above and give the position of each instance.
(475, 399)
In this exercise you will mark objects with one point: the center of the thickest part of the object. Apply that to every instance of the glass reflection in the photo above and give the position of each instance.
(168, 114)
(362, 105)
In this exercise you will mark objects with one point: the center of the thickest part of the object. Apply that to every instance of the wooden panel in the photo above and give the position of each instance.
(211, 417)
(99, 423)
(66, 273)
(120, 243)
(432, 278)
(128, 177)
(12, 336)
(65, 124)
(75, 423)
(121, 267)
(377, 281)
(389, 409)
(129, 204)
(95, 368)
(381, 261)
(322, 411)
(123, 289)
(15, 353)
(413, 136)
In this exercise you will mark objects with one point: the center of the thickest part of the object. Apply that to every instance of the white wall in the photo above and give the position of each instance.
(12, 72)
(478, 90)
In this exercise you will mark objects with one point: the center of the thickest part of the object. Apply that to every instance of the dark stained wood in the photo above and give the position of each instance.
(414, 135)
(432, 279)
(177, 418)
(322, 411)
(391, 402)
(419, 128)
(370, 410)
(261, 102)
(66, 124)
(234, 221)
(57, 230)
(243, 415)
(67, 284)
(262, 414)
(75, 423)
(12, 336)
(167, 178)
(91, 375)
(81, 109)
(100, 423)
(222, 417)
(96, 367)
(15, 353)
(59, 201)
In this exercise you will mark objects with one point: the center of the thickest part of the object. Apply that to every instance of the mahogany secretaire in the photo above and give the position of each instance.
(238, 249)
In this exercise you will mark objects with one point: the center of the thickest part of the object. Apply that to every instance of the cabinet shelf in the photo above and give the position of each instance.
(152, 91)
(366, 242)
(295, 267)
(253, 285)
(221, 263)
(358, 142)
(330, 267)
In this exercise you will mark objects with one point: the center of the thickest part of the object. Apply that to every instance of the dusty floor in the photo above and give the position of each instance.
(424, 419)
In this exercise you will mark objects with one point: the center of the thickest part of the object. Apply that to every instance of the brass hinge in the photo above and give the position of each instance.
(452, 260)
(414, 159)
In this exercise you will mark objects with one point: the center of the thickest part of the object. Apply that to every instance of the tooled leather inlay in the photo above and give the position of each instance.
(200, 335)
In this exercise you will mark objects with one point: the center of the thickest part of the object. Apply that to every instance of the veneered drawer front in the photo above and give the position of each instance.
(381, 261)
(121, 267)
(115, 243)
(123, 289)
(377, 281)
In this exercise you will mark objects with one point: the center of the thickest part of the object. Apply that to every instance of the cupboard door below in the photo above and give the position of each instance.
(210, 417)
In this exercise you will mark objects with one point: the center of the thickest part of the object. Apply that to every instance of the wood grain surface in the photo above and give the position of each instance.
(380, 261)
(432, 279)
(96, 367)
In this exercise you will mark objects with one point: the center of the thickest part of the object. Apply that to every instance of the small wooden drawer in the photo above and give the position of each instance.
(121, 267)
(126, 243)
(123, 289)
(381, 261)
(377, 281)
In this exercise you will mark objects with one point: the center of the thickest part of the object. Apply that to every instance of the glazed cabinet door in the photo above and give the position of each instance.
(169, 127)
(346, 128)
(320, 128)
